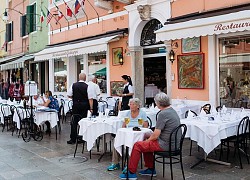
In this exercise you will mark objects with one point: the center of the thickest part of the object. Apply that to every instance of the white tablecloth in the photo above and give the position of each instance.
(128, 137)
(7, 112)
(40, 117)
(208, 134)
(91, 129)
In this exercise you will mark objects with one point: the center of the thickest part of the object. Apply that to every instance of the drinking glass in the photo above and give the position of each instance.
(127, 120)
(140, 121)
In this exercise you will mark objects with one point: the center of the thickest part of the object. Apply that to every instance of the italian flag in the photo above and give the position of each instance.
(42, 16)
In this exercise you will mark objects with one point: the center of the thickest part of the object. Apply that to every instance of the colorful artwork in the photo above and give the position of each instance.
(191, 71)
(191, 45)
(117, 52)
(116, 87)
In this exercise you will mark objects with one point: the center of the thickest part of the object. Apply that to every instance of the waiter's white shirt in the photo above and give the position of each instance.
(91, 94)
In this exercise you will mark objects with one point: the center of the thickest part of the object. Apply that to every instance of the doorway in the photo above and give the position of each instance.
(154, 77)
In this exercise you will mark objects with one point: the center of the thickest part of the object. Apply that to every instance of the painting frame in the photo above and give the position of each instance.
(190, 69)
(191, 45)
(115, 55)
(115, 87)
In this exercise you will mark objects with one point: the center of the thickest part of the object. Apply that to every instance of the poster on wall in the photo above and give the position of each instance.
(116, 53)
(116, 87)
(190, 45)
(190, 69)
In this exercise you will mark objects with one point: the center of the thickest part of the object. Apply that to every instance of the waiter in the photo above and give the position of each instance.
(82, 102)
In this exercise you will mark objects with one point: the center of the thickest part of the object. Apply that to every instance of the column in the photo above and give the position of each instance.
(168, 69)
(137, 72)
(51, 76)
(71, 71)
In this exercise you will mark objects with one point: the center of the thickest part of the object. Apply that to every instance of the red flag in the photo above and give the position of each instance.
(77, 6)
(42, 16)
(4, 44)
(68, 10)
(60, 14)
(49, 17)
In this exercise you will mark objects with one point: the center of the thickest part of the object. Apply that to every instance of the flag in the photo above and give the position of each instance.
(68, 10)
(77, 6)
(4, 44)
(60, 14)
(49, 17)
(42, 16)
(83, 1)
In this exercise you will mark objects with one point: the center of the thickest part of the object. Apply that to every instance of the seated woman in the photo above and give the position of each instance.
(52, 103)
(133, 114)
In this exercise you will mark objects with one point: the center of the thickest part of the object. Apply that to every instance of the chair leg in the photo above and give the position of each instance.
(228, 150)
(153, 166)
(56, 132)
(76, 147)
(238, 148)
(182, 167)
(83, 146)
(164, 166)
(171, 167)
(190, 151)
(141, 162)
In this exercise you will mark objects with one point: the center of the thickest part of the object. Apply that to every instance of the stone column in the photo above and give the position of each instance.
(137, 72)
(168, 69)
(71, 71)
(51, 75)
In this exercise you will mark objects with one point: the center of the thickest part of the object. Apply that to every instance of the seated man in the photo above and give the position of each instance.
(134, 114)
(167, 121)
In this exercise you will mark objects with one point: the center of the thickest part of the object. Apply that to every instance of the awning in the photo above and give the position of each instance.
(19, 63)
(232, 22)
(9, 58)
(85, 47)
(101, 72)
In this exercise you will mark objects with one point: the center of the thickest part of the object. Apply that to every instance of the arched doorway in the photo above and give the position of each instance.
(154, 61)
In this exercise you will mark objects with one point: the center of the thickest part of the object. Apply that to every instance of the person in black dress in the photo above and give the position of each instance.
(128, 92)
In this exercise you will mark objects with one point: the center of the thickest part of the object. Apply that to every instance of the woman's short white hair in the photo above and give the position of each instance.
(136, 101)
(162, 99)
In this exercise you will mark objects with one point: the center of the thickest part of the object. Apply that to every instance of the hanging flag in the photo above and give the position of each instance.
(42, 16)
(77, 6)
(83, 1)
(4, 44)
(49, 17)
(60, 14)
(68, 10)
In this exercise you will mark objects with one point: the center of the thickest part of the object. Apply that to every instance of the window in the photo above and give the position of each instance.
(60, 74)
(31, 18)
(9, 32)
(97, 67)
(234, 63)
(23, 29)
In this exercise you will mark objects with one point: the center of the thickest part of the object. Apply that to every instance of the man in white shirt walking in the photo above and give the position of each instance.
(95, 89)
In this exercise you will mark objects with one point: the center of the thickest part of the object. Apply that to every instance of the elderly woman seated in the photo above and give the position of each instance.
(135, 115)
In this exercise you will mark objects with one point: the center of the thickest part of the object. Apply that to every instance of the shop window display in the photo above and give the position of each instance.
(60, 75)
(234, 64)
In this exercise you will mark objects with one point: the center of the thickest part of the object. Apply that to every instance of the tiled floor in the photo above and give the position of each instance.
(53, 159)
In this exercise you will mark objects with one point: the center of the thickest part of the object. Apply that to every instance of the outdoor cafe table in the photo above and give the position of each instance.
(127, 137)
(91, 128)
(40, 117)
(208, 134)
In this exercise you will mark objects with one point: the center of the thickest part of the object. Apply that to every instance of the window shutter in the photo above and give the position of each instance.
(12, 31)
(30, 19)
(23, 30)
(8, 35)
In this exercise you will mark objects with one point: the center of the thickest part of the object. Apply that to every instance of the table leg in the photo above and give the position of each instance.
(127, 149)
(103, 147)
(210, 160)
(123, 157)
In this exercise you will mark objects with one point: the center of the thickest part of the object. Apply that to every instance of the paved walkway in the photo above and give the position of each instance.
(51, 159)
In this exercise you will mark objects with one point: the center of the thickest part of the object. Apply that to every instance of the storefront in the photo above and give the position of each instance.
(225, 46)
(89, 55)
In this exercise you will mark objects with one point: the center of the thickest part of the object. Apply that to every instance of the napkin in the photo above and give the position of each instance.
(21, 102)
(203, 113)
(190, 115)
(224, 109)
(213, 110)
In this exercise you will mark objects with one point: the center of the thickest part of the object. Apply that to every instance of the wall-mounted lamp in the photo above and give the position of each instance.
(171, 56)
(5, 16)
(121, 60)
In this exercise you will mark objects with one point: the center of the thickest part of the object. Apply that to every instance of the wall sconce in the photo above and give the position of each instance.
(171, 56)
(5, 16)
(121, 60)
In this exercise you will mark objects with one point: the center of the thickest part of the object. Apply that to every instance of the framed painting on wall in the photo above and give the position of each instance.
(189, 45)
(190, 69)
(116, 87)
(116, 53)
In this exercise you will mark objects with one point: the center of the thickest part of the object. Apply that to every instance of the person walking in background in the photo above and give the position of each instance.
(82, 102)
(128, 92)
(94, 88)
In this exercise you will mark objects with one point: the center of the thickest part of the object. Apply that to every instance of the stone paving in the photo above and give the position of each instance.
(53, 159)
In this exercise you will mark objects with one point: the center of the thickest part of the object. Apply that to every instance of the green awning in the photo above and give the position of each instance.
(101, 72)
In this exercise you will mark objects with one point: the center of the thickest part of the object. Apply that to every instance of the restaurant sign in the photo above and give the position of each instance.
(232, 26)
(66, 53)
